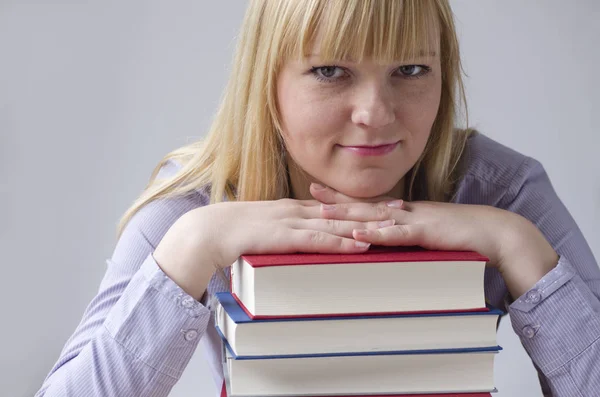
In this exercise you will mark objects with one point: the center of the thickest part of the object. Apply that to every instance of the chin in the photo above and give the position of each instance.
(366, 191)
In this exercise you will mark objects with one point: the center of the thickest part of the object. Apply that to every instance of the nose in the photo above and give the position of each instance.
(374, 106)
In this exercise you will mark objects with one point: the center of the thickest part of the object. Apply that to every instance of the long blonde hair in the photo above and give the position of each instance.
(241, 157)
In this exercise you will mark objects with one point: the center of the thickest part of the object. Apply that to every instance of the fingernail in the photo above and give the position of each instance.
(386, 223)
(317, 186)
(360, 232)
(361, 244)
(394, 204)
(328, 207)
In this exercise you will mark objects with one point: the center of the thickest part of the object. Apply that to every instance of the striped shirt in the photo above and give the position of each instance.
(139, 332)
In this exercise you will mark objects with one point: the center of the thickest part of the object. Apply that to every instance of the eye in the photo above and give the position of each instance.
(413, 71)
(328, 73)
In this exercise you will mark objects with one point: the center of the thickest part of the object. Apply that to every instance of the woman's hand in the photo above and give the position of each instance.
(513, 244)
(214, 236)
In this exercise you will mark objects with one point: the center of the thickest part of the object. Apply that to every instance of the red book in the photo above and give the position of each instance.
(382, 280)
(224, 394)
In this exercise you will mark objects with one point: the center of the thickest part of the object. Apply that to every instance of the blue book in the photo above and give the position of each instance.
(366, 335)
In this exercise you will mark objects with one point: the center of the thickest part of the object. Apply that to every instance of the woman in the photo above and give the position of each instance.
(337, 130)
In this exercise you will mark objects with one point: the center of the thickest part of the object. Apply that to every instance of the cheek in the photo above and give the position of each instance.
(420, 103)
(418, 109)
(309, 120)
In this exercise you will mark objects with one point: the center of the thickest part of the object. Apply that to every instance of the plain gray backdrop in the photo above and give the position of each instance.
(94, 93)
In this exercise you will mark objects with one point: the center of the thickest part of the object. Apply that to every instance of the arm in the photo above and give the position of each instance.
(557, 313)
(140, 330)
(558, 319)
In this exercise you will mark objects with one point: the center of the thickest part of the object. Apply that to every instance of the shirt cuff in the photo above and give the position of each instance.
(557, 319)
(157, 321)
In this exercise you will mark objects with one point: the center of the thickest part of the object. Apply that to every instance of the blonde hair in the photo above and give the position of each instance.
(241, 157)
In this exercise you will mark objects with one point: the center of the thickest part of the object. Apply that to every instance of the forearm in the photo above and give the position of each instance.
(144, 344)
(526, 255)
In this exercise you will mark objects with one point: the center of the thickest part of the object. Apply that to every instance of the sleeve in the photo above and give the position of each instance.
(141, 329)
(558, 319)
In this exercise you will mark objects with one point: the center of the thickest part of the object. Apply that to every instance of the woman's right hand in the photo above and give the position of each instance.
(214, 236)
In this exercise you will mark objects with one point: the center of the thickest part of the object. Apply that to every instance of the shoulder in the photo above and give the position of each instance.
(152, 220)
(493, 172)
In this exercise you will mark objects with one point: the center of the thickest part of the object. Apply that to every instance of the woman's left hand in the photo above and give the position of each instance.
(512, 243)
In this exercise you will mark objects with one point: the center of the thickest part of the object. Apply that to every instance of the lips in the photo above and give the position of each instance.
(371, 150)
(371, 146)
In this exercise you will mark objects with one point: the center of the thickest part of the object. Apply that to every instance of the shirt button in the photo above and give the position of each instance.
(528, 332)
(187, 302)
(534, 296)
(190, 335)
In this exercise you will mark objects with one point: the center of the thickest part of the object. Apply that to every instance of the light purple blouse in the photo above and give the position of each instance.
(139, 332)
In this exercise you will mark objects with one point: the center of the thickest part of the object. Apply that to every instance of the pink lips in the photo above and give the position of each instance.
(372, 150)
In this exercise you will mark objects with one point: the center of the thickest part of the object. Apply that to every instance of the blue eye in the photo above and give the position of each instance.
(413, 71)
(328, 73)
(333, 73)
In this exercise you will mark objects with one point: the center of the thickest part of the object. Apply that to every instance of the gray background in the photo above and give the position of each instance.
(94, 93)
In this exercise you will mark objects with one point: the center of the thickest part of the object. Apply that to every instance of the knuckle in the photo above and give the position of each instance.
(286, 202)
(382, 210)
(330, 223)
(334, 224)
(402, 231)
(286, 206)
(316, 237)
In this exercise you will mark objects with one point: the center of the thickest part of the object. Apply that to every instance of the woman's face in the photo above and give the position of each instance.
(356, 127)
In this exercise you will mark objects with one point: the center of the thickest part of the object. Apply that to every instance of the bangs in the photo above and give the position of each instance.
(381, 30)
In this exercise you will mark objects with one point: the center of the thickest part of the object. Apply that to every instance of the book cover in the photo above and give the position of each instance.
(256, 317)
(374, 254)
(239, 314)
(233, 355)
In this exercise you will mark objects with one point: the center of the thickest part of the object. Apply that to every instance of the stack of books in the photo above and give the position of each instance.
(391, 321)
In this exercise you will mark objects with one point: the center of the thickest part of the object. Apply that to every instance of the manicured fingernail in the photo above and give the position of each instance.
(361, 244)
(328, 207)
(361, 232)
(317, 186)
(386, 223)
(394, 204)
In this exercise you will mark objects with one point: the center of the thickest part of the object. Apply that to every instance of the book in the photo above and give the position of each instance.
(224, 394)
(398, 373)
(380, 281)
(323, 335)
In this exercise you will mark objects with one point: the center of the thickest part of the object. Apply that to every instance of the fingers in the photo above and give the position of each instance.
(338, 227)
(368, 215)
(334, 223)
(316, 241)
(366, 211)
(396, 235)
